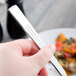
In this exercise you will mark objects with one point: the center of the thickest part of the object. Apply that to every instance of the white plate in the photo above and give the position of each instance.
(50, 37)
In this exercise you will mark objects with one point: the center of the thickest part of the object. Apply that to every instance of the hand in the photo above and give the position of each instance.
(23, 58)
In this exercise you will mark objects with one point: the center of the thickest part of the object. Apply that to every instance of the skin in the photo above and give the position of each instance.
(23, 58)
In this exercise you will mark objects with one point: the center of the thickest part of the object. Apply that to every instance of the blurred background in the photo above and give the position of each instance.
(43, 14)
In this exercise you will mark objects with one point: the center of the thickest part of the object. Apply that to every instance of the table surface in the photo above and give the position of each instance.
(46, 14)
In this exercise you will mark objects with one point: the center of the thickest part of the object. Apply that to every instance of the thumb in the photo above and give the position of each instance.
(43, 56)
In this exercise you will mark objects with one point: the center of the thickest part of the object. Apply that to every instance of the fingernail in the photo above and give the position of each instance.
(52, 48)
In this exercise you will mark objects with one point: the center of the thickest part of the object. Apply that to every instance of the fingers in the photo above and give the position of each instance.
(43, 72)
(25, 46)
(42, 57)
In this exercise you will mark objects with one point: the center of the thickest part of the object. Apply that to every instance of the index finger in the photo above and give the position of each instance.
(25, 46)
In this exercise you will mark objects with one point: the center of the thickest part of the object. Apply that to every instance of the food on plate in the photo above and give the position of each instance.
(68, 73)
(66, 53)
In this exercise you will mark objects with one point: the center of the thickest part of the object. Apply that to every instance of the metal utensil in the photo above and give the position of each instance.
(25, 24)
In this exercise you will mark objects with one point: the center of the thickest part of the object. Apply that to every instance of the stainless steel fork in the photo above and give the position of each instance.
(26, 25)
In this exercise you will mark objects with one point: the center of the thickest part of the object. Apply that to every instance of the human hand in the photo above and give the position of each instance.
(23, 58)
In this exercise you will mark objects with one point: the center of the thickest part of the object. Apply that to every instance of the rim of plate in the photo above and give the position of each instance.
(57, 29)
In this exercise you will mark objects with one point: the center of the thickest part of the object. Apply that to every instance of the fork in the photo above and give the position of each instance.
(27, 27)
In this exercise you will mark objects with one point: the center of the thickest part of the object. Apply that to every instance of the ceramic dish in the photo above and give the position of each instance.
(50, 37)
